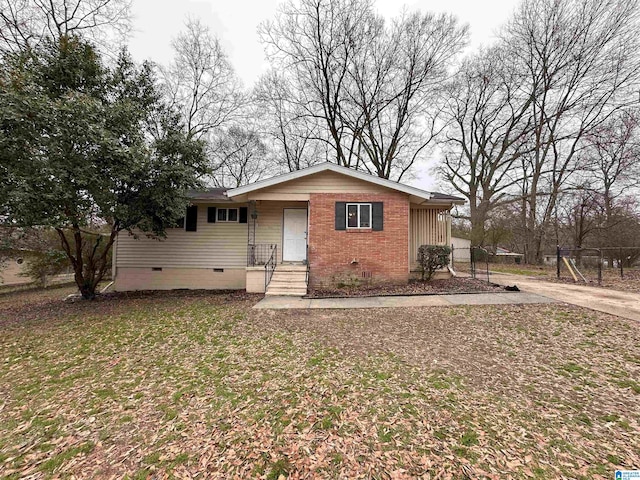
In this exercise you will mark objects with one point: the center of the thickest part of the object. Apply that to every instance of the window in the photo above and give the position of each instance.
(364, 216)
(227, 215)
(358, 215)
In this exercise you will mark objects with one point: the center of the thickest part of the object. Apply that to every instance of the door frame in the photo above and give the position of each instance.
(306, 239)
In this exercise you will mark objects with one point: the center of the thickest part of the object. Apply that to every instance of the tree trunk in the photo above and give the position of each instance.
(478, 225)
(87, 281)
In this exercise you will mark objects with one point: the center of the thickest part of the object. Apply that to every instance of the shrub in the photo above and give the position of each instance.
(41, 265)
(431, 258)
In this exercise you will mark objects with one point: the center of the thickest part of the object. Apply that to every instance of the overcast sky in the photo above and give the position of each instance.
(235, 23)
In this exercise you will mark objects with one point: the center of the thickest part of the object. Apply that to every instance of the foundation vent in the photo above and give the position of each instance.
(366, 274)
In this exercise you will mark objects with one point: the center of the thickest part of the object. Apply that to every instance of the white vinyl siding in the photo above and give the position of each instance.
(325, 182)
(270, 222)
(213, 245)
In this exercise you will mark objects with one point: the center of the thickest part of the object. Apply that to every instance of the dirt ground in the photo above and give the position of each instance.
(450, 285)
(611, 278)
(188, 384)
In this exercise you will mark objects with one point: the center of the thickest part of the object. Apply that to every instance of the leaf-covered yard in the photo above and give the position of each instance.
(199, 384)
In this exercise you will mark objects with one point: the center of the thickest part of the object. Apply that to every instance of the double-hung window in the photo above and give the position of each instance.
(358, 215)
(227, 215)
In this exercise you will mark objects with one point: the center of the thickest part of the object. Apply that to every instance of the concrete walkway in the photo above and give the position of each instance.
(500, 298)
(615, 302)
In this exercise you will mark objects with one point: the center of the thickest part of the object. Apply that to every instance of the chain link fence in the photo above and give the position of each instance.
(592, 264)
(472, 260)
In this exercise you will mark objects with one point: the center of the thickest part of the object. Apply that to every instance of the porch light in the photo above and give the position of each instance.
(254, 214)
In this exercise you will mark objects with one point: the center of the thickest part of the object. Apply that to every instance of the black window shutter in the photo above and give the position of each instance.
(243, 215)
(191, 225)
(211, 214)
(376, 216)
(341, 215)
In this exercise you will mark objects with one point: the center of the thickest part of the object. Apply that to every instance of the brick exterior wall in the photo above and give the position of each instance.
(384, 255)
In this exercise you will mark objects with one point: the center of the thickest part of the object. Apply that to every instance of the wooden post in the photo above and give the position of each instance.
(566, 262)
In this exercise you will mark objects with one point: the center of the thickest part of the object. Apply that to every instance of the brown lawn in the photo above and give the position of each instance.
(186, 385)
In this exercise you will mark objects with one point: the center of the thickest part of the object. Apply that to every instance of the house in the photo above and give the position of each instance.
(322, 225)
(13, 270)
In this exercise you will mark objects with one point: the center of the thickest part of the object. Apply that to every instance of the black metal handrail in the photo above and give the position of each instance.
(259, 253)
(306, 278)
(270, 266)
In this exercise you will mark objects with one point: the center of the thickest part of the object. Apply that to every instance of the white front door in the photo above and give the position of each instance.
(294, 235)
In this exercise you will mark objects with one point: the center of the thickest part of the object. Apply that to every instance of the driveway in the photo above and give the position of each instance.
(622, 304)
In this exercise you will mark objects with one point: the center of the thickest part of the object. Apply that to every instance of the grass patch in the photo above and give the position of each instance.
(280, 467)
(53, 463)
(572, 369)
(630, 384)
(469, 438)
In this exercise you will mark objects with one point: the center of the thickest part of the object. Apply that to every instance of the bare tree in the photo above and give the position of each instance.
(489, 120)
(24, 23)
(521, 113)
(239, 158)
(581, 62)
(613, 156)
(201, 83)
(311, 40)
(397, 86)
(371, 85)
(295, 137)
(580, 213)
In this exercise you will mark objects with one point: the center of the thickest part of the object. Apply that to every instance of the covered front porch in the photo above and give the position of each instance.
(277, 250)
(428, 226)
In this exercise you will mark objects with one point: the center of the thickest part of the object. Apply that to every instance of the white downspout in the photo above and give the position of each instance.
(114, 262)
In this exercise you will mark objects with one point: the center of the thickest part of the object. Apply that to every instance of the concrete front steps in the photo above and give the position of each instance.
(290, 280)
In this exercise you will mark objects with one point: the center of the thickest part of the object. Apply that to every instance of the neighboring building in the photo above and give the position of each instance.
(348, 226)
(503, 255)
(461, 249)
(12, 271)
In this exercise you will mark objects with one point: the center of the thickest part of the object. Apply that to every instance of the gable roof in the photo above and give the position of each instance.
(216, 194)
(442, 196)
(332, 167)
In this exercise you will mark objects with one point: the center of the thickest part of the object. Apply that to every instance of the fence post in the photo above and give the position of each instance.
(452, 255)
(486, 253)
(558, 261)
(599, 267)
(472, 263)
